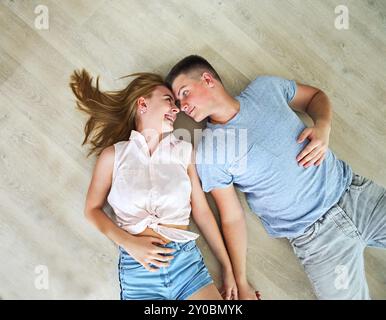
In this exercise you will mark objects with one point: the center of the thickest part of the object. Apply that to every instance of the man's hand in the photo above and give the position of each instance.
(314, 153)
(316, 104)
(246, 292)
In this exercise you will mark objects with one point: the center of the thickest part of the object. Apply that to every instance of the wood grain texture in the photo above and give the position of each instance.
(44, 172)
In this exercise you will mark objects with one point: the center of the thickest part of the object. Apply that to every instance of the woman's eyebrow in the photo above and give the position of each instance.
(168, 95)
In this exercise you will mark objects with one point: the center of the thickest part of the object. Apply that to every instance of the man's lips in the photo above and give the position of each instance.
(189, 112)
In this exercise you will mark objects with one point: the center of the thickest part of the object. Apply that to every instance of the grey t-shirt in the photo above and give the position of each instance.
(256, 152)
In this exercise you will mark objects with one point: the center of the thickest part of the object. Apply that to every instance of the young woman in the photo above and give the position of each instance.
(148, 177)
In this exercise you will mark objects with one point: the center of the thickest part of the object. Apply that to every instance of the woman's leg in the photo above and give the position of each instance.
(209, 292)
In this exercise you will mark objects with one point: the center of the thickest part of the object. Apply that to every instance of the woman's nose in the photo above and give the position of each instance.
(175, 109)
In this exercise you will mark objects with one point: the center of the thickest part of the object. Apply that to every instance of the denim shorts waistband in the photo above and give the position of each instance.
(180, 245)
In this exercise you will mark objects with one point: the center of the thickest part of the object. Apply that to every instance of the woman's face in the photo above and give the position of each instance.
(159, 111)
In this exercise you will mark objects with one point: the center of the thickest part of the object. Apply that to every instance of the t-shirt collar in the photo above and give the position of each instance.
(231, 122)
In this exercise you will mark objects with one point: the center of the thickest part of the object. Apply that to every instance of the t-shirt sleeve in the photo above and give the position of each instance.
(286, 87)
(213, 177)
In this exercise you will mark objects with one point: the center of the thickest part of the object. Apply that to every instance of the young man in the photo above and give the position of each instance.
(292, 181)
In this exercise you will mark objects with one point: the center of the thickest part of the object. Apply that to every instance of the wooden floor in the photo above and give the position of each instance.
(44, 173)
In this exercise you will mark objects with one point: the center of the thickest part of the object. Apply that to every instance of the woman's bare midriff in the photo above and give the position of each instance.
(151, 232)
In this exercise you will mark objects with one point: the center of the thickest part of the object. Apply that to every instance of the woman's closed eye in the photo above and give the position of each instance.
(170, 100)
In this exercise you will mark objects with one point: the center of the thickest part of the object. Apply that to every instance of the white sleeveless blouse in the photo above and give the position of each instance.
(147, 191)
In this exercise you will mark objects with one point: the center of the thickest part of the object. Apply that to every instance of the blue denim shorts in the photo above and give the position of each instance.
(185, 275)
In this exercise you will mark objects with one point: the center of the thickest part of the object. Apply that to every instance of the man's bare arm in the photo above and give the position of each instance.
(235, 233)
(316, 104)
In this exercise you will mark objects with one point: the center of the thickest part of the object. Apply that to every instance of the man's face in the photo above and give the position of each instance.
(194, 96)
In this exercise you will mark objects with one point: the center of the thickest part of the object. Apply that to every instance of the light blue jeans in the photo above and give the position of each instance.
(331, 250)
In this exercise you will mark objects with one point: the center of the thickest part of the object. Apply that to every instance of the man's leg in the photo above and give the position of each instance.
(365, 203)
(332, 249)
(331, 252)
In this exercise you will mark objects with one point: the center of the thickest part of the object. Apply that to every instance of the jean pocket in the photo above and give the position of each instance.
(191, 251)
(346, 225)
(310, 234)
(189, 246)
(127, 262)
(359, 182)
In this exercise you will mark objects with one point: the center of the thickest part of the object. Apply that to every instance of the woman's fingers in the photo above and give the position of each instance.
(154, 265)
(147, 265)
(159, 264)
(161, 250)
(235, 294)
(157, 256)
(228, 294)
(149, 268)
(161, 257)
(156, 240)
(158, 250)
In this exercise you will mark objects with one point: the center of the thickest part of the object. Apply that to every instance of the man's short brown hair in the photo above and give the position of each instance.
(189, 64)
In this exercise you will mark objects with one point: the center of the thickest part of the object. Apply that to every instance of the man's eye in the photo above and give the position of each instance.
(185, 93)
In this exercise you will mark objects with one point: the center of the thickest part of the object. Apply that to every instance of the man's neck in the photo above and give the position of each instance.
(225, 111)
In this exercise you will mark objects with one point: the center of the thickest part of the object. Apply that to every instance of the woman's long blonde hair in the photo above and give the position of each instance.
(112, 114)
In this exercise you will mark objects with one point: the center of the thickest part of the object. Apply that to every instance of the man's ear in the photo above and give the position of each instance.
(208, 79)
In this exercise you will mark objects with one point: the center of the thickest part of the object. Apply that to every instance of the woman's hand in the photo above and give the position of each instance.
(145, 250)
(229, 287)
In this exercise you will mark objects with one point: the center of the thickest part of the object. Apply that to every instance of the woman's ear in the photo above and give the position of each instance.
(141, 105)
